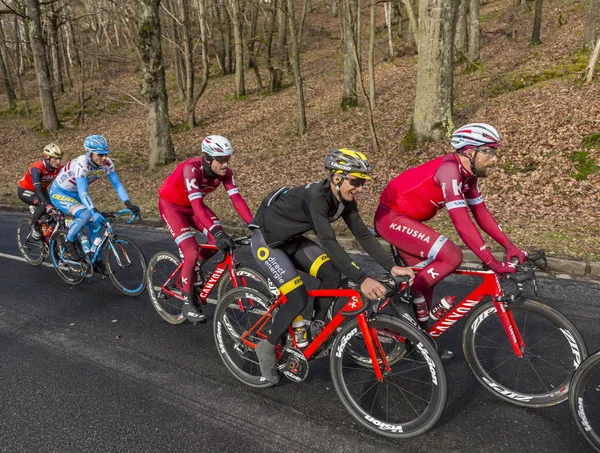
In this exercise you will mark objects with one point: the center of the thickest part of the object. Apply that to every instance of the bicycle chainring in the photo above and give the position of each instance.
(293, 365)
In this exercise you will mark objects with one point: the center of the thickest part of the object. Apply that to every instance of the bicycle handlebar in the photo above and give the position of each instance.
(391, 283)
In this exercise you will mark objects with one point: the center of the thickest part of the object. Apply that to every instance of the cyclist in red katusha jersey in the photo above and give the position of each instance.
(33, 187)
(181, 206)
(417, 194)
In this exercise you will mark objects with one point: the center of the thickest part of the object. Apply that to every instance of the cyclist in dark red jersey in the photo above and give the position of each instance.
(181, 206)
(417, 194)
(33, 187)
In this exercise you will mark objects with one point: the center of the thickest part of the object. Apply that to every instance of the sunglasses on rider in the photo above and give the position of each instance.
(356, 182)
(487, 150)
(222, 159)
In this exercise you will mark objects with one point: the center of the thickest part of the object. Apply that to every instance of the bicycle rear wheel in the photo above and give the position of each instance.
(160, 267)
(32, 251)
(410, 398)
(126, 265)
(247, 277)
(554, 348)
(584, 399)
(237, 312)
(57, 251)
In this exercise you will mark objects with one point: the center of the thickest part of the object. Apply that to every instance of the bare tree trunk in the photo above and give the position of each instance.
(269, 45)
(432, 118)
(589, 72)
(204, 50)
(474, 36)
(252, 48)
(235, 16)
(55, 53)
(590, 25)
(412, 20)
(188, 58)
(302, 125)
(371, 63)
(460, 36)
(388, 24)
(537, 23)
(349, 95)
(63, 53)
(5, 73)
(334, 8)
(153, 84)
(283, 54)
(49, 116)
(178, 64)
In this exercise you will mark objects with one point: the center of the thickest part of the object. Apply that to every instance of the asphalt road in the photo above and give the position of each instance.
(88, 369)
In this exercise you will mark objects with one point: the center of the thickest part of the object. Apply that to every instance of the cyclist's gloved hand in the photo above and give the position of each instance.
(372, 288)
(135, 209)
(97, 217)
(224, 242)
(50, 209)
(502, 267)
(514, 252)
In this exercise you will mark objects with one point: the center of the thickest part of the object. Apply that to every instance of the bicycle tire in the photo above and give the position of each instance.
(126, 265)
(57, 250)
(32, 251)
(584, 399)
(531, 381)
(160, 268)
(408, 413)
(230, 323)
(252, 279)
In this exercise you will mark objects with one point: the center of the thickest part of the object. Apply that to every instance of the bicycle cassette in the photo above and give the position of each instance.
(293, 365)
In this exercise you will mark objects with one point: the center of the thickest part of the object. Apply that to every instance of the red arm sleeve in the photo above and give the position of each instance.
(234, 194)
(191, 178)
(484, 217)
(451, 181)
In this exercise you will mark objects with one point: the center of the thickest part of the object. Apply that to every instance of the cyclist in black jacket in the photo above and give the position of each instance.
(279, 247)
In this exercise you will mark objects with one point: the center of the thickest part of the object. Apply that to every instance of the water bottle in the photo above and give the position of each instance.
(300, 332)
(49, 230)
(96, 244)
(85, 243)
(443, 306)
(421, 311)
(44, 230)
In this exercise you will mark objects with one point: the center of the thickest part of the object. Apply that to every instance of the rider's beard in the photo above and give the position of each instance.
(481, 172)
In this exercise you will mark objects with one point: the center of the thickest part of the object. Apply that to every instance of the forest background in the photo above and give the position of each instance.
(545, 191)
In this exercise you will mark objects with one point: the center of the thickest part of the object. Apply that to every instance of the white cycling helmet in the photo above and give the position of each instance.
(475, 135)
(216, 146)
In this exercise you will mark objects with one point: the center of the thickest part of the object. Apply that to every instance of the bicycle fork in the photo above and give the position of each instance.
(510, 327)
(373, 346)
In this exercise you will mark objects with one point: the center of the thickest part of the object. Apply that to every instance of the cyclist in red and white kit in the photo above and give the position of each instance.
(181, 206)
(417, 194)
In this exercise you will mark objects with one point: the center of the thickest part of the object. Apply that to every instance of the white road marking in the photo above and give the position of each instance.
(20, 258)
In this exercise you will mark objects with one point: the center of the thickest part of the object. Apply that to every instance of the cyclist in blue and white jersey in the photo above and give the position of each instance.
(69, 191)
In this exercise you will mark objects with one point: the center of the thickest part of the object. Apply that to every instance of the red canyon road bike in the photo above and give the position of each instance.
(522, 351)
(164, 280)
(398, 398)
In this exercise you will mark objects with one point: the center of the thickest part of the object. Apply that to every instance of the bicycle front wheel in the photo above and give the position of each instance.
(32, 250)
(57, 251)
(553, 349)
(584, 399)
(160, 269)
(126, 265)
(237, 312)
(410, 398)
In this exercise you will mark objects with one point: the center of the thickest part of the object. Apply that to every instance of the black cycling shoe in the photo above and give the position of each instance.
(190, 311)
(265, 352)
(35, 232)
(71, 252)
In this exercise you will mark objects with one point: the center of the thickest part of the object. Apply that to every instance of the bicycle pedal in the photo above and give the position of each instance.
(293, 365)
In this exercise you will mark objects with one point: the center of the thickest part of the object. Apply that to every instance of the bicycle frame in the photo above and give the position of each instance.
(354, 304)
(228, 263)
(489, 287)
